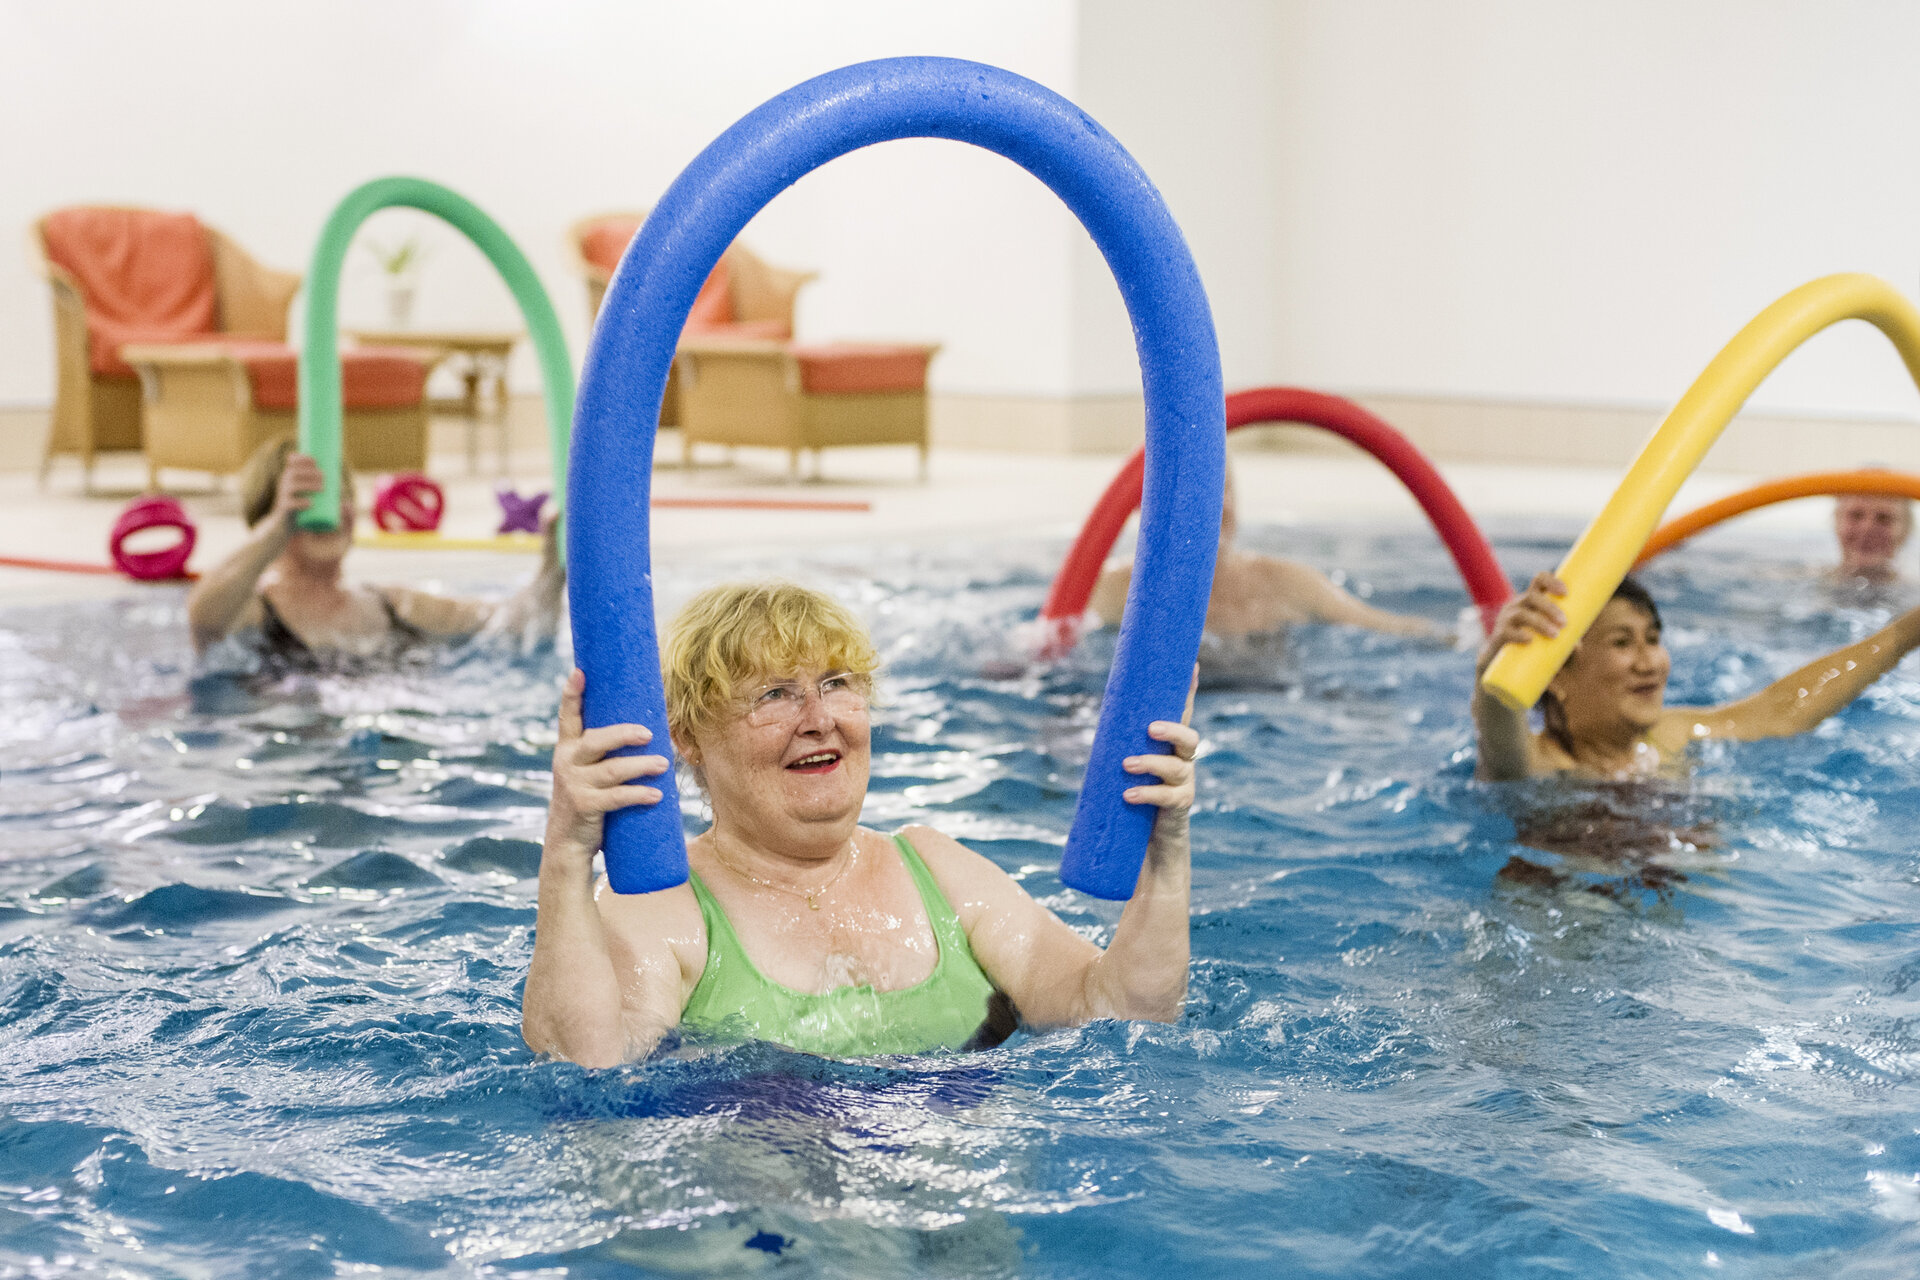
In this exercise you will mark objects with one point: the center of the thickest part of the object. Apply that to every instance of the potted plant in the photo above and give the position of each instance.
(400, 264)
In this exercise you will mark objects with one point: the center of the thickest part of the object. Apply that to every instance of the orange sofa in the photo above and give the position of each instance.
(187, 299)
(744, 297)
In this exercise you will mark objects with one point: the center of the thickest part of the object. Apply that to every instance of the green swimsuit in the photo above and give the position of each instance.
(946, 1010)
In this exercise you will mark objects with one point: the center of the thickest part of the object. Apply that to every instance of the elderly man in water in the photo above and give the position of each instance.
(798, 925)
(1871, 528)
(1604, 715)
(1256, 594)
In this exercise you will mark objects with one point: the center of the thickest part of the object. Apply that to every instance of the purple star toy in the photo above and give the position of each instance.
(518, 514)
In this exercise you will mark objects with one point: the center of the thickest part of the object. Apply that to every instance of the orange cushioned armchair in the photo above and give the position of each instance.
(745, 297)
(739, 379)
(157, 307)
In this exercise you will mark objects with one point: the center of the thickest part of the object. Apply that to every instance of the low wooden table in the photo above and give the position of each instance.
(482, 356)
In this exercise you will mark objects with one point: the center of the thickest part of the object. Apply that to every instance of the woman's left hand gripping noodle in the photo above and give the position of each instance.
(1143, 971)
(591, 998)
(1172, 794)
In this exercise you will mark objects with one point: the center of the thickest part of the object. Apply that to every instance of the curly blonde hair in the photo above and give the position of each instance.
(738, 633)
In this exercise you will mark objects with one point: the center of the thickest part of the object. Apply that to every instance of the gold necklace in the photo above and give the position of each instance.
(811, 895)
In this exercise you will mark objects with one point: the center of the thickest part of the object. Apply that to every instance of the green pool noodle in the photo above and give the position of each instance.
(320, 350)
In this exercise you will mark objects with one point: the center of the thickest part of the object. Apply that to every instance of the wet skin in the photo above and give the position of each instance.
(1871, 528)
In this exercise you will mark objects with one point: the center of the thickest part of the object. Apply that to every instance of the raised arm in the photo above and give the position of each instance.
(221, 599)
(1797, 702)
(1143, 971)
(1109, 598)
(1507, 749)
(532, 612)
(1322, 601)
(599, 992)
(1054, 976)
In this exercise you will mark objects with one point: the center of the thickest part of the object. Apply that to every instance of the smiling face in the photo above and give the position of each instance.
(1616, 678)
(791, 758)
(1871, 528)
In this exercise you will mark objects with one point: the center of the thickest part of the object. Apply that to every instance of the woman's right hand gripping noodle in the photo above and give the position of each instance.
(593, 996)
(217, 600)
(1506, 742)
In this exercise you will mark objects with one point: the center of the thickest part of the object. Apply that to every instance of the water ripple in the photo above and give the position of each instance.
(261, 955)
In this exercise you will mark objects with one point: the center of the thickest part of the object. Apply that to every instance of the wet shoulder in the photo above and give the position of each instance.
(970, 883)
(1681, 727)
(638, 923)
(1290, 589)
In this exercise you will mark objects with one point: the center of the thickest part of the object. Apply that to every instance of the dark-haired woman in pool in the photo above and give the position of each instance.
(1604, 713)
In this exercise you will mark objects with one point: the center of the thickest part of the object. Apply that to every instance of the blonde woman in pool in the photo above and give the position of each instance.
(1605, 714)
(285, 590)
(1256, 594)
(799, 925)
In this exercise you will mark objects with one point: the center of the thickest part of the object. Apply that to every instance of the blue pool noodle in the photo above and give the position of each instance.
(610, 472)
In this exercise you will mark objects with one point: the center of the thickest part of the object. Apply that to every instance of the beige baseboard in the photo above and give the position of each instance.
(23, 435)
(1037, 424)
(1447, 429)
(1459, 430)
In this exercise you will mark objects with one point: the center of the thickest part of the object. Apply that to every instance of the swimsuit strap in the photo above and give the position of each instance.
(281, 643)
(276, 637)
(395, 623)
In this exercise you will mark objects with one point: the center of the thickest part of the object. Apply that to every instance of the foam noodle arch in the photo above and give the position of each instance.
(1597, 562)
(1815, 484)
(320, 351)
(1479, 568)
(654, 288)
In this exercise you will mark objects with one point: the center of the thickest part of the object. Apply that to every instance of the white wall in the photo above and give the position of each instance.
(1583, 202)
(1190, 90)
(1514, 200)
(1497, 198)
(260, 117)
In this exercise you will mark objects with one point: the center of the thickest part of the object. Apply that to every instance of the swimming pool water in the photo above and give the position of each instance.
(260, 961)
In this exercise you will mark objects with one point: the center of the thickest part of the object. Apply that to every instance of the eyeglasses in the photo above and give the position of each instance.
(841, 693)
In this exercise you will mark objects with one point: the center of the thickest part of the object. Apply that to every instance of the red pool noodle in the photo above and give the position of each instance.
(59, 566)
(1485, 581)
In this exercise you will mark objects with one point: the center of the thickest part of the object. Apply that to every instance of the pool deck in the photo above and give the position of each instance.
(970, 495)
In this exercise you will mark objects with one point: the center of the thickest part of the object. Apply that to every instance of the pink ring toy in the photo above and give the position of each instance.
(155, 511)
(409, 503)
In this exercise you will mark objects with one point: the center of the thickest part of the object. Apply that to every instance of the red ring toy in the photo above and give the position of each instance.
(155, 511)
(409, 503)
(1486, 582)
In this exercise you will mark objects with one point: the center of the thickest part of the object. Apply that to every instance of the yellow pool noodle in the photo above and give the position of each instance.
(522, 543)
(1602, 556)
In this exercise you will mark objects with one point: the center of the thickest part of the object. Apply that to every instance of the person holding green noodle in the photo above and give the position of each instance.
(797, 924)
(284, 588)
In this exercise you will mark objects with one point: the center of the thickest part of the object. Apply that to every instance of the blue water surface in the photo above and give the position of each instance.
(261, 953)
